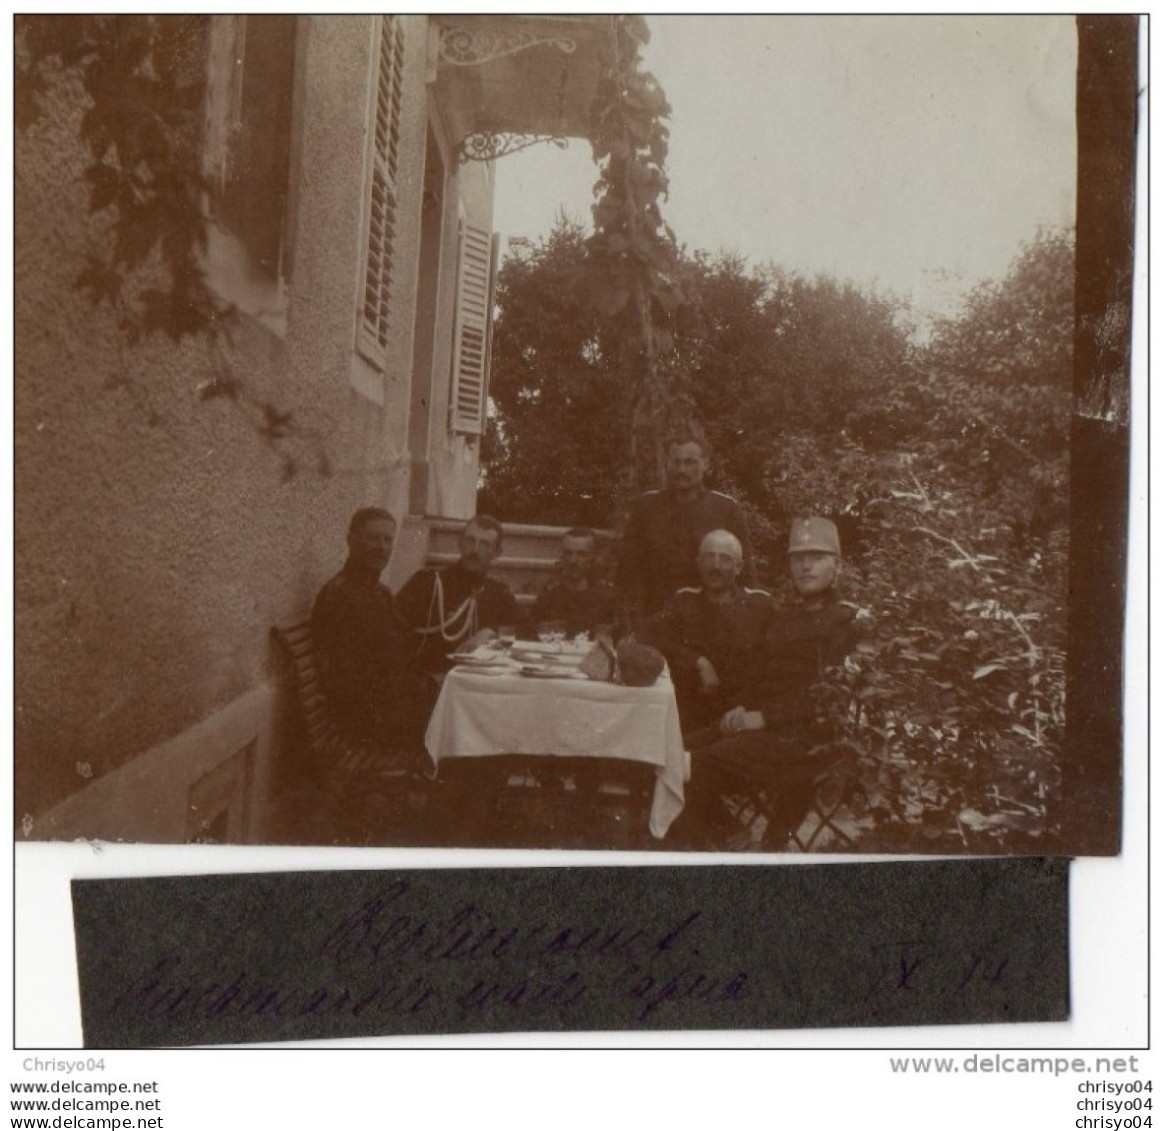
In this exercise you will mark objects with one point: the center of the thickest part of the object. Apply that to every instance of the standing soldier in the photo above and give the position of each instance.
(664, 530)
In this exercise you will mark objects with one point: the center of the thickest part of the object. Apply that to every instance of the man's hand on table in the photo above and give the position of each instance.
(482, 639)
(708, 677)
(739, 719)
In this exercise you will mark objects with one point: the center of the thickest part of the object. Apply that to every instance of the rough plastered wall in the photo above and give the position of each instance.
(157, 537)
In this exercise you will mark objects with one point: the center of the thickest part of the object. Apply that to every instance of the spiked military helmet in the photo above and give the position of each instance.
(819, 534)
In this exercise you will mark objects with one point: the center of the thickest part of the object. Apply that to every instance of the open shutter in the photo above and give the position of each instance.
(382, 194)
(472, 330)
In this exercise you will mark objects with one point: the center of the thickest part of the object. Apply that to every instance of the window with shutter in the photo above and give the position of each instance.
(473, 330)
(382, 193)
(248, 143)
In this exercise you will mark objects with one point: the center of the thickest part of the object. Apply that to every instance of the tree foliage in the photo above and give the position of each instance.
(552, 360)
(945, 466)
(631, 261)
(760, 355)
(1019, 329)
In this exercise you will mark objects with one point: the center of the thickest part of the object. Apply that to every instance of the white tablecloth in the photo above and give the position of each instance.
(481, 715)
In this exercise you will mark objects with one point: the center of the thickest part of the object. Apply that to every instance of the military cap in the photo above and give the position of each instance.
(814, 534)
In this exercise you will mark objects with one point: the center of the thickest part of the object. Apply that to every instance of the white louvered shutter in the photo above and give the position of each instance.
(472, 333)
(383, 197)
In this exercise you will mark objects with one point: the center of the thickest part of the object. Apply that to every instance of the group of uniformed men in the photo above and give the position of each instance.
(744, 668)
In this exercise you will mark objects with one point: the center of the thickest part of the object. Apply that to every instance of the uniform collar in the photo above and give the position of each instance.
(819, 601)
(358, 576)
(474, 580)
(732, 598)
(698, 497)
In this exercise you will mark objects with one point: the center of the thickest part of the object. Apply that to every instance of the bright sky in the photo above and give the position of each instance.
(914, 153)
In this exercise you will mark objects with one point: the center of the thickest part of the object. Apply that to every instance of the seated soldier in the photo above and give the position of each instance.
(765, 742)
(711, 635)
(575, 597)
(364, 649)
(458, 607)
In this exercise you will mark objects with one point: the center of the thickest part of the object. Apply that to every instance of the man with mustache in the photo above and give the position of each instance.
(458, 607)
(712, 634)
(665, 528)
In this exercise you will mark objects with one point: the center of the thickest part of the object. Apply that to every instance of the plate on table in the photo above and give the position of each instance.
(544, 654)
(489, 669)
(558, 672)
(578, 646)
(480, 660)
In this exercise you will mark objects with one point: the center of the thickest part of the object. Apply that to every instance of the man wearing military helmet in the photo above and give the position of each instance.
(767, 741)
(813, 556)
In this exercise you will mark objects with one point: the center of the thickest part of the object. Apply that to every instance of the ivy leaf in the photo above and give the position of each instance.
(276, 422)
(26, 105)
(636, 27)
(99, 279)
(986, 669)
(104, 182)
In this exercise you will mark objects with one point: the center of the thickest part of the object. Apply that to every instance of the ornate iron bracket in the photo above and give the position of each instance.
(484, 146)
(461, 48)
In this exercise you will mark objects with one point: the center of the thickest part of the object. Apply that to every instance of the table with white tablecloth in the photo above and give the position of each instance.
(478, 715)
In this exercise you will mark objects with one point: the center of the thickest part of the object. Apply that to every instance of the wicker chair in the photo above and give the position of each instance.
(373, 795)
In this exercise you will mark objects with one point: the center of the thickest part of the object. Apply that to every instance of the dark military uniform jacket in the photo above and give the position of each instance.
(446, 607)
(582, 610)
(661, 543)
(806, 637)
(364, 652)
(729, 634)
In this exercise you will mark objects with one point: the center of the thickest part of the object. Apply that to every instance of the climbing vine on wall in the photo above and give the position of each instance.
(140, 128)
(144, 82)
(632, 260)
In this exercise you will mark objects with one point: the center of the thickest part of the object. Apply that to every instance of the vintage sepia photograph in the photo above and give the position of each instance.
(572, 432)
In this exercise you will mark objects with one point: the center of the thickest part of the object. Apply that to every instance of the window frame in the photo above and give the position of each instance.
(231, 265)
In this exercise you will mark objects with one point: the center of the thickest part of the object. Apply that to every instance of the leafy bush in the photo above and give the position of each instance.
(944, 465)
(952, 706)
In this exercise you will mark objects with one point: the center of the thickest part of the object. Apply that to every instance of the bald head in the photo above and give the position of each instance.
(721, 542)
(720, 560)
